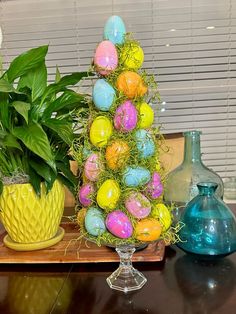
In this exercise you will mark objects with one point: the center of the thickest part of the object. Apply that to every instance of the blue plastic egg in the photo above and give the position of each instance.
(114, 30)
(94, 221)
(145, 143)
(136, 176)
(103, 95)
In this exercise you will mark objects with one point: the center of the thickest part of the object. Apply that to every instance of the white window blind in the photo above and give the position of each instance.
(189, 45)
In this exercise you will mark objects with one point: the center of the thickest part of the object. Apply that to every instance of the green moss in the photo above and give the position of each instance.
(134, 160)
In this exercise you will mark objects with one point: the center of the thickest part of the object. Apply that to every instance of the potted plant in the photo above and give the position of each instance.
(37, 128)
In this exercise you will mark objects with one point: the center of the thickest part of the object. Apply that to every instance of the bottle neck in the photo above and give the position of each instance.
(207, 188)
(192, 149)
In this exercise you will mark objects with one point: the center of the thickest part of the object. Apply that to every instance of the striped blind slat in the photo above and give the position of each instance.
(189, 46)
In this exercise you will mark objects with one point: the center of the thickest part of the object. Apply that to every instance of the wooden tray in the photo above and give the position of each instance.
(70, 250)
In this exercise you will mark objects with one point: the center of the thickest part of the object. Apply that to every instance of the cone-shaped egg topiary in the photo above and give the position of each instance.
(120, 199)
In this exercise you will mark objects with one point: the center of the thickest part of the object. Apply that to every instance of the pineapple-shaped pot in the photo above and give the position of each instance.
(32, 222)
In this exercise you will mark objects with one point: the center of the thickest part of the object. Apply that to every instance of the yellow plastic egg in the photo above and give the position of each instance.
(147, 230)
(161, 212)
(108, 195)
(117, 154)
(100, 131)
(132, 56)
(146, 115)
(131, 84)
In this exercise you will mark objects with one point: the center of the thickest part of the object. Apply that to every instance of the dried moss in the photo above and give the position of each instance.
(82, 144)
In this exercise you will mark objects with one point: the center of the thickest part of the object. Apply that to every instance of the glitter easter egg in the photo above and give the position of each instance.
(147, 230)
(119, 224)
(94, 221)
(125, 118)
(132, 56)
(136, 176)
(117, 154)
(108, 195)
(146, 115)
(105, 58)
(138, 205)
(100, 131)
(85, 193)
(154, 187)
(161, 212)
(145, 143)
(103, 95)
(93, 167)
(114, 30)
(131, 84)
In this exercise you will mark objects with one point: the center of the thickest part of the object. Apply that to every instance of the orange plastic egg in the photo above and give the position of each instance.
(117, 154)
(147, 230)
(131, 84)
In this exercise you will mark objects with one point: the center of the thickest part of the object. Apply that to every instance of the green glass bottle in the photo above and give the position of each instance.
(181, 185)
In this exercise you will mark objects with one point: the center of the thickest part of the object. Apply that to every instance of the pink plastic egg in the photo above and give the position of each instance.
(138, 205)
(85, 193)
(93, 167)
(154, 187)
(125, 118)
(119, 224)
(106, 57)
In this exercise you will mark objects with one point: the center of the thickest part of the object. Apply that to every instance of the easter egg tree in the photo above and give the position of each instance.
(120, 199)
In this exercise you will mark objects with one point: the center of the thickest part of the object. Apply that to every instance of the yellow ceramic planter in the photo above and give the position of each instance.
(31, 219)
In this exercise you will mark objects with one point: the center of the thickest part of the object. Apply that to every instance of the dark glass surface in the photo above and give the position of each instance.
(178, 285)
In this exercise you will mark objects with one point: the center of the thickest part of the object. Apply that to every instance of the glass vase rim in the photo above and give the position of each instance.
(207, 184)
(192, 133)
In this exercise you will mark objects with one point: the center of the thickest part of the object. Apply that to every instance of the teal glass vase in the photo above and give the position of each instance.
(209, 226)
(181, 185)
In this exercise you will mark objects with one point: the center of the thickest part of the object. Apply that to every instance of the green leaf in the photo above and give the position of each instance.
(67, 183)
(35, 139)
(11, 141)
(65, 81)
(4, 110)
(2, 134)
(63, 128)
(58, 75)
(62, 156)
(6, 87)
(1, 186)
(25, 62)
(67, 99)
(67, 173)
(22, 108)
(44, 171)
(36, 80)
(35, 181)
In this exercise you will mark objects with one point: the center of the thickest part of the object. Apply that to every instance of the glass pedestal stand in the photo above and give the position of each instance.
(126, 278)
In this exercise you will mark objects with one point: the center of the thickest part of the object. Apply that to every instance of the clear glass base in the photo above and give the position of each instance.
(126, 278)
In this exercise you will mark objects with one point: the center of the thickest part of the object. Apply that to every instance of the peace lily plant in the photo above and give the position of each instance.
(37, 127)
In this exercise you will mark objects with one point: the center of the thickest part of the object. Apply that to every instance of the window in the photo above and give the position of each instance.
(189, 45)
